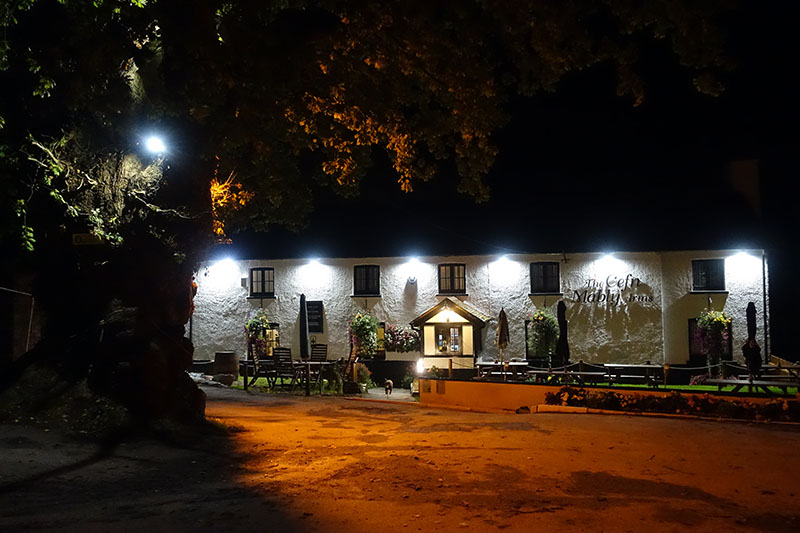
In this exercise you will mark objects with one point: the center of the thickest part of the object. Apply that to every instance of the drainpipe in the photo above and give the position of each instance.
(764, 301)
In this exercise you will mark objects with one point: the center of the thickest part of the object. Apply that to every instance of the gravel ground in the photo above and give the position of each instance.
(330, 464)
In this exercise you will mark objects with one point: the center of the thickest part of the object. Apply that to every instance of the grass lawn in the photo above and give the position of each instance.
(693, 388)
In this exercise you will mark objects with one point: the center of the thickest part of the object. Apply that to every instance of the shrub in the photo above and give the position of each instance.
(407, 380)
(363, 374)
(674, 402)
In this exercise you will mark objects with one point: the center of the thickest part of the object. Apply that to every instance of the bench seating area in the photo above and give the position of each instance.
(763, 384)
(579, 373)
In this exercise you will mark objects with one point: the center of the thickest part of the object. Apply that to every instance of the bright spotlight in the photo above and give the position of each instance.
(224, 273)
(155, 144)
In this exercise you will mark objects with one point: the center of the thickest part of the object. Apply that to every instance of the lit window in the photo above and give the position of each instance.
(545, 277)
(708, 275)
(448, 339)
(366, 280)
(452, 278)
(262, 282)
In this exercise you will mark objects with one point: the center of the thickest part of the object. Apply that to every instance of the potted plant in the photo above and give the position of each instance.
(542, 336)
(713, 332)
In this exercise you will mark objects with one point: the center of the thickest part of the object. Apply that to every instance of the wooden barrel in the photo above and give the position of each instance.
(226, 363)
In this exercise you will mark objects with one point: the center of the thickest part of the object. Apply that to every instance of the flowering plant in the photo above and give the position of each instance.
(712, 321)
(364, 334)
(712, 330)
(542, 333)
(712, 334)
(256, 324)
(401, 339)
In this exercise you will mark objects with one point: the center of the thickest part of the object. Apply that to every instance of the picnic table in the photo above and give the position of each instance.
(762, 384)
(621, 373)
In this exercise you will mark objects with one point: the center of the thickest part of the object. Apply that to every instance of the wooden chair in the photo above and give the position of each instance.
(284, 367)
(263, 367)
(319, 353)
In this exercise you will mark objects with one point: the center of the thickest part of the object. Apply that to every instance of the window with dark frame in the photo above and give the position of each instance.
(708, 275)
(452, 278)
(448, 339)
(366, 280)
(262, 282)
(545, 277)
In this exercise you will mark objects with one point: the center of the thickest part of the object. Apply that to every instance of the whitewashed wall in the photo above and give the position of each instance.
(611, 317)
(743, 282)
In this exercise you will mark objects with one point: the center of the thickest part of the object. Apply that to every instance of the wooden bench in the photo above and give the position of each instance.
(505, 376)
(652, 375)
(771, 377)
(568, 377)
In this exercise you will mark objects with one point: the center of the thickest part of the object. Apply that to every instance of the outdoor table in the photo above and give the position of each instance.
(306, 366)
(617, 372)
(762, 384)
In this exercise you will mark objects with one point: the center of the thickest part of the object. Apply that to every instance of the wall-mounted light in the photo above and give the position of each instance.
(223, 274)
(411, 269)
(504, 270)
(315, 275)
(742, 267)
(608, 265)
(420, 367)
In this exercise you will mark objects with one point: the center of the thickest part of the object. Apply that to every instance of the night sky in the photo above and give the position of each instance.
(583, 170)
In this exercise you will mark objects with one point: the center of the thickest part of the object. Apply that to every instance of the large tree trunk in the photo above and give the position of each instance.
(119, 319)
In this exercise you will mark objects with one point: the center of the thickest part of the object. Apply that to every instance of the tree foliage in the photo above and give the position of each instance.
(266, 100)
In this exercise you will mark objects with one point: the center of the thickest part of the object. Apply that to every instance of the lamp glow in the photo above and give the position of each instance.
(742, 267)
(420, 367)
(155, 145)
(224, 273)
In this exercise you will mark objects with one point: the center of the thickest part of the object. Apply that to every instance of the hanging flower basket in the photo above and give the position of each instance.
(713, 334)
(542, 334)
(363, 331)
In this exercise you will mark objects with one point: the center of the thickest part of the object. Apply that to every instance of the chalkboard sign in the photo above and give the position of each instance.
(314, 316)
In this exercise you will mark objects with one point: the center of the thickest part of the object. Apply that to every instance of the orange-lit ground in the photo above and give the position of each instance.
(313, 464)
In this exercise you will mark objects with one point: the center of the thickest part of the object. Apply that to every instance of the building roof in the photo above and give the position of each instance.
(460, 307)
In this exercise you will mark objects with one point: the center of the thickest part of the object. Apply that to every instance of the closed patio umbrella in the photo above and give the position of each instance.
(751, 350)
(501, 338)
(562, 348)
(303, 328)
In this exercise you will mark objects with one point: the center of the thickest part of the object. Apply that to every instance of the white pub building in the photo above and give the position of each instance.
(630, 307)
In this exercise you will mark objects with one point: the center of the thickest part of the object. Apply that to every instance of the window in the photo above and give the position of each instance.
(545, 277)
(366, 280)
(708, 275)
(448, 339)
(452, 279)
(262, 282)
